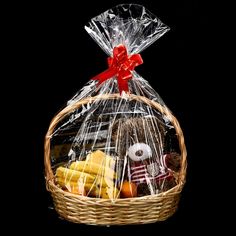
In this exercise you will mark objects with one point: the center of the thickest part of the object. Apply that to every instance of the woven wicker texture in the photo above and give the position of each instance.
(139, 210)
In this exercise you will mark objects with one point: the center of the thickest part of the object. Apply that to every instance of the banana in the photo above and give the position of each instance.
(99, 182)
(106, 193)
(93, 169)
(76, 190)
(110, 193)
(96, 157)
(92, 189)
(93, 177)
(74, 184)
(101, 158)
(95, 189)
(94, 192)
(74, 175)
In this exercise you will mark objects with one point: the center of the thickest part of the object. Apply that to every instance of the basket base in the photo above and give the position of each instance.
(93, 211)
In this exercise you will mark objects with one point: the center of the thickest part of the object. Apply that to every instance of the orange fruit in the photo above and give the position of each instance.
(128, 189)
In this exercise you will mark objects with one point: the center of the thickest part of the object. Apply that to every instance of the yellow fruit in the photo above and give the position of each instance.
(101, 158)
(104, 182)
(96, 157)
(110, 193)
(93, 169)
(74, 175)
(94, 176)
(73, 184)
(80, 190)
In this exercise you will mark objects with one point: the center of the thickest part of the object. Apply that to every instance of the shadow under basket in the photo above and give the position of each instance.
(123, 211)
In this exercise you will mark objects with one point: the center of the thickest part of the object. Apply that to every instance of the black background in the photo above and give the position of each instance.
(61, 58)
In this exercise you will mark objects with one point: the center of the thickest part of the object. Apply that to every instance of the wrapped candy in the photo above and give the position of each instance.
(116, 140)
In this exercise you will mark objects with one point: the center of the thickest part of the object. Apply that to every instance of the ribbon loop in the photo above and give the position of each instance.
(120, 65)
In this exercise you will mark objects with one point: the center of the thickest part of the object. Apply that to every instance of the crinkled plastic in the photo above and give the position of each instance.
(114, 143)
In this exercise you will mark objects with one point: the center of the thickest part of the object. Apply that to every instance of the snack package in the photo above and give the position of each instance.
(116, 138)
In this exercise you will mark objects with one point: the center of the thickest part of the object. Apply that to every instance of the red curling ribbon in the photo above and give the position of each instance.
(120, 65)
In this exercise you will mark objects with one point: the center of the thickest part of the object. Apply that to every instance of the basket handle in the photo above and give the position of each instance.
(70, 108)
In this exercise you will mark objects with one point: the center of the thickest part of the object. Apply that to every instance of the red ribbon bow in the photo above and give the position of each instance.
(120, 65)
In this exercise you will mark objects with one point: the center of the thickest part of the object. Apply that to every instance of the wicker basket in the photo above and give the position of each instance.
(96, 211)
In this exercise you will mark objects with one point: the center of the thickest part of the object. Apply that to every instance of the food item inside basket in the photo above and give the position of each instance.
(173, 161)
(141, 145)
(138, 166)
(95, 176)
(128, 189)
(96, 163)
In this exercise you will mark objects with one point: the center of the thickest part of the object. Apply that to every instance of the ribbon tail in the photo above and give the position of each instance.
(107, 74)
(122, 85)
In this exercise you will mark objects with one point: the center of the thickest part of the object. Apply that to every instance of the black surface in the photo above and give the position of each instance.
(59, 49)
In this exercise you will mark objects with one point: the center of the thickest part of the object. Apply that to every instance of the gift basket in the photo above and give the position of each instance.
(115, 154)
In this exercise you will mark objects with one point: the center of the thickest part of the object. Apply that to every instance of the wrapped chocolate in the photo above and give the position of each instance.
(116, 140)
